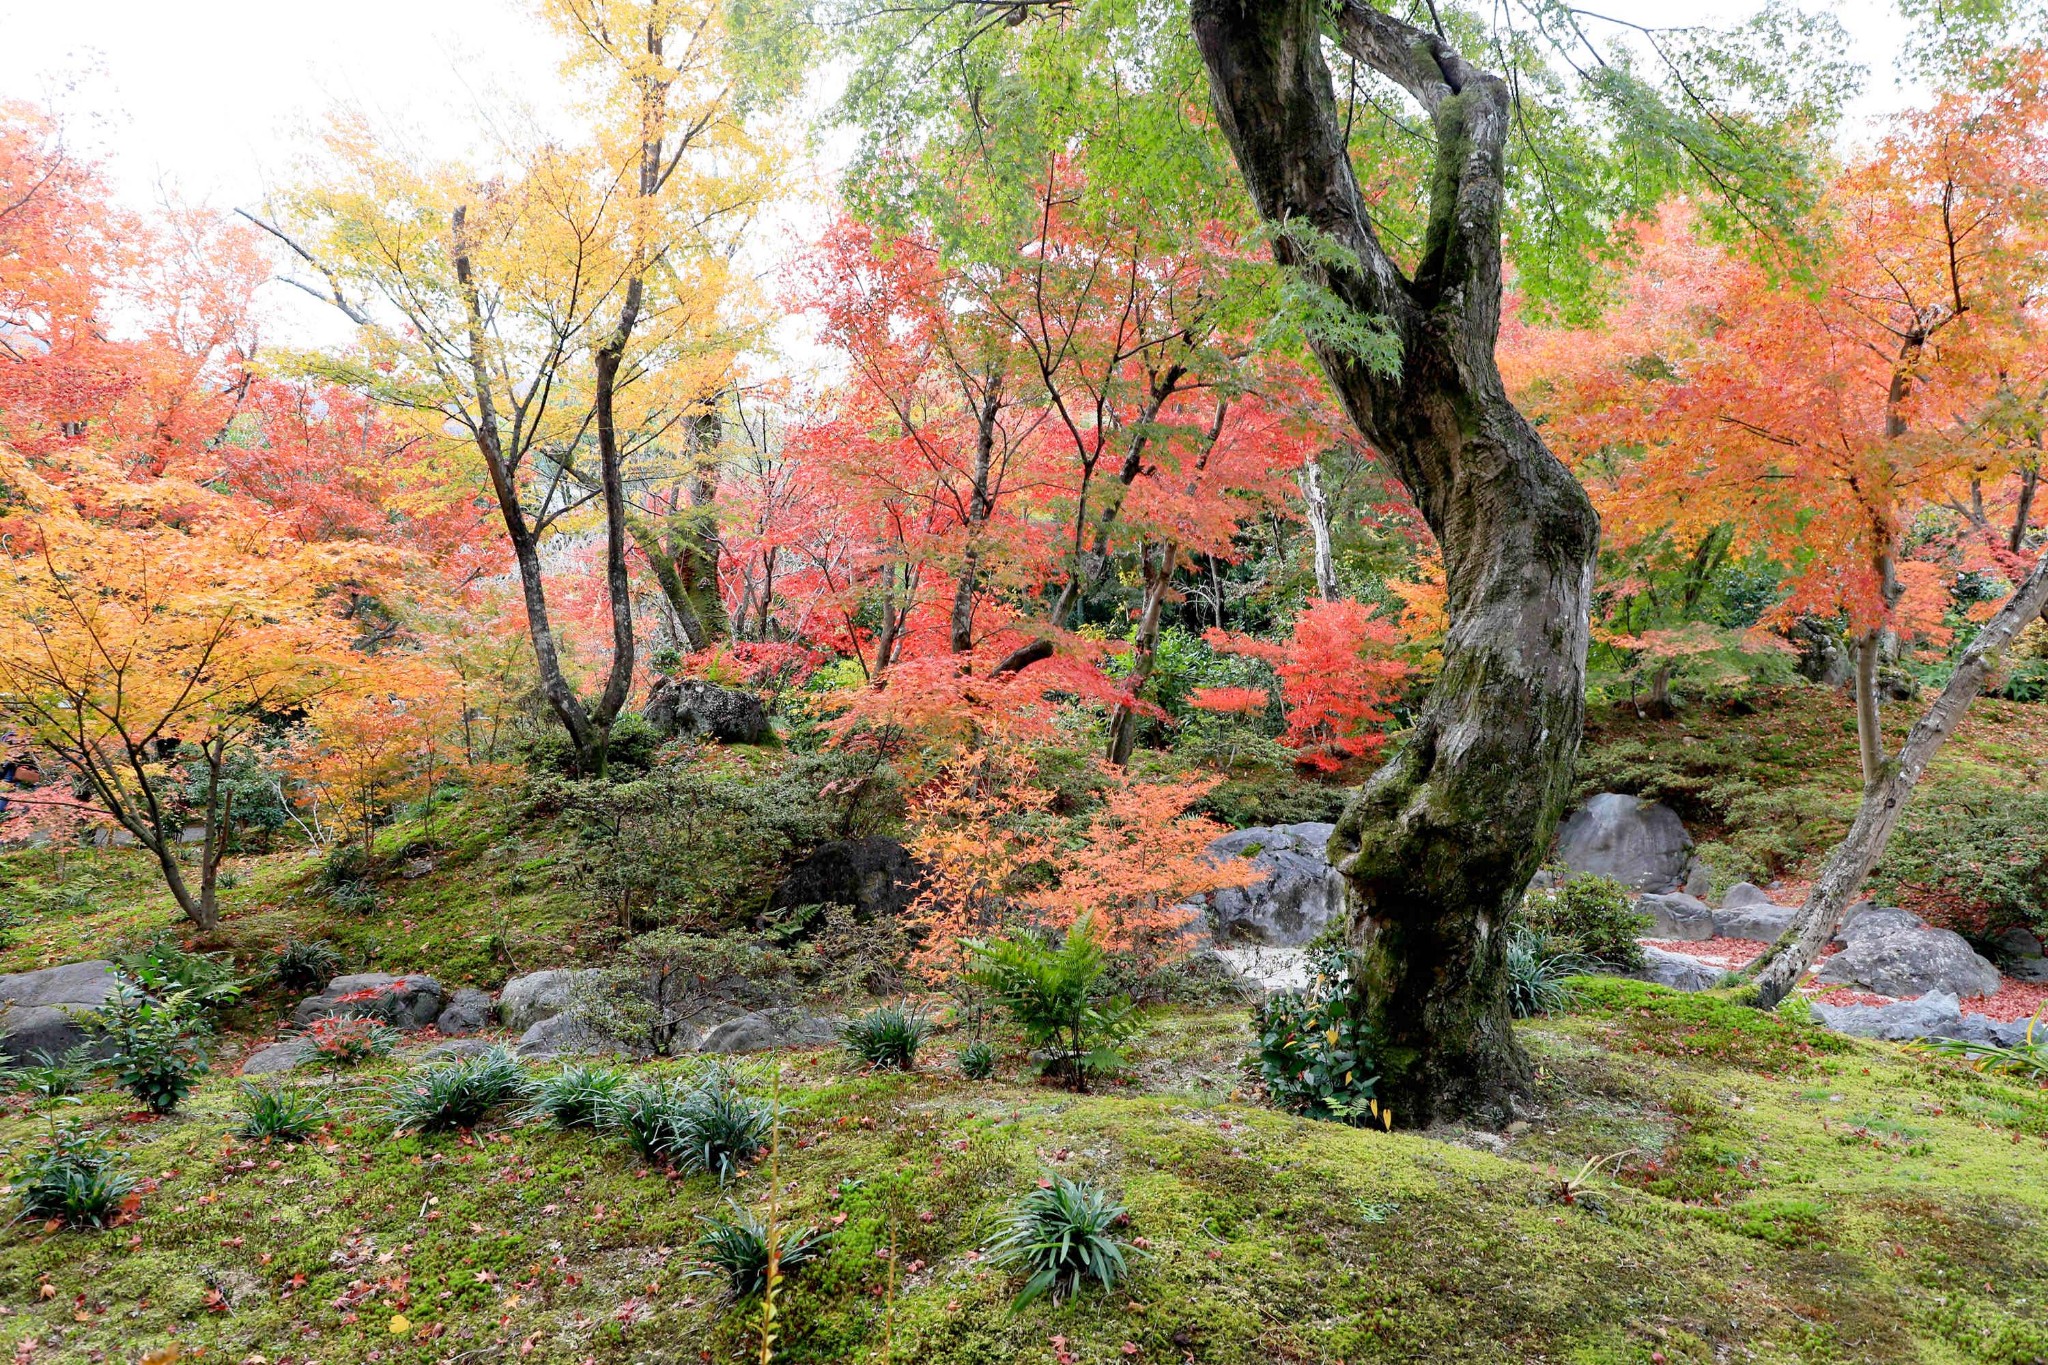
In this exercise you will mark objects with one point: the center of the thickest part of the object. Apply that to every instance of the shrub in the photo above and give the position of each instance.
(159, 1046)
(578, 1096)
(657, 983)
(1061, 1234)
(455, 1094)
(281, 1113)
(70, 1178)
(305, 964)
(1315, 1055)
(977, 1061)
(888, 1036)
(1970, 859)
(712, 1127)
(169, 974)
(52, 1077)
(1537, 966)
(350, 1040)
(1590, 915)
(1053, 995)
(738, 1249)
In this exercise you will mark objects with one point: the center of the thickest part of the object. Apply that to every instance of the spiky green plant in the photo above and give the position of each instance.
(455, 1094)
(737, 1248)
(887, 1036)
(1060, 1234)
(279, 1113)
(578, 1095)
(71, 1177)
(977, 1061)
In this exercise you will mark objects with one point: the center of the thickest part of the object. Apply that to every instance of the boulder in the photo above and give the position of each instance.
(1299, 893)
(564, 1035)
(1699, 879)
(407, 1002)
(872, 877)
(2021, 957)
(766, 1029)
(278, 1057)
(1641, 844)
(693, 707)
(1911, 962)
(454, 1050)
(1867, 920)
(1765, 923)
(1981, 1028)
(1677, 916)
(1676, 970)
(1934, 1015)
(1742, 895)
(526, 1000)
(469, 1010)
(39, 1010)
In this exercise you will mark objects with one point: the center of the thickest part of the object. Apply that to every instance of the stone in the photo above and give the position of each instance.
(1911, 962)
(1641, 844)
(1742, 895)
(1676, 970)
(766, 1029)
(1764, 923)
(1267, 968)
(2018, 943)
(526, 1000)
(1677, 916)
(1867, 919)
(1934, 1015)
(39, 1010)
(694, 708)
(406, 1002)
(1299, 893)
(454, 1049)
(874, 877)
(2020, 956)
(469, 1010)
(1699, 879)
(564, 1035)
(278, 1057)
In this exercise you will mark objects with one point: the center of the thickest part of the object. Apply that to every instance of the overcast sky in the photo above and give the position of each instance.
(215, 97)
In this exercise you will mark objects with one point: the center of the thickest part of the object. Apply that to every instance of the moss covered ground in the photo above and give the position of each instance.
(1697, 1182)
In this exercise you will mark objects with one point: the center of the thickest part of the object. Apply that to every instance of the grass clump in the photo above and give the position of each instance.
(578, 1095)
(977, 1061)
(281, 1113)
(888, 1036)
(455, 1094)
(305, 964)
(1061, 1235)
(737, 1248)
(70, 1178)
(1538, 969)
(346, 1040)
(712, 1127)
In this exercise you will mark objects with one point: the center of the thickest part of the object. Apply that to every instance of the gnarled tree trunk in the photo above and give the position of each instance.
(1441, 842)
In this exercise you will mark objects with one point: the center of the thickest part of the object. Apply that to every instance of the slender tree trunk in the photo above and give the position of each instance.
(1869, 732)
(1782, 968)
(980, 506)
(1440, 844)
(1123, 718)
(1319, 527)
(2030, 480)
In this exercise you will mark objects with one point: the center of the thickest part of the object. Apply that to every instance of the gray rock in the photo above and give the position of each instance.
(1677, 916)
(1766, 923)
(452, 1049)
(2019, 943)
(39, 1010)
(1911, 962)
(1676, 970)
(2021, 956)
(469, 1010)
(1699, 878)
(1642, 844)
(1299, 893)
(407, 1002)
(526, 1000)
(564, 1035)
(874, 877)
(1934, 1015)
(278, 1057)
(1742, 895)
(1866, 919)
(690, 706)
(766, 1029)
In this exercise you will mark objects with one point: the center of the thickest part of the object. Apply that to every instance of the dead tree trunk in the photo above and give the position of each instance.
(1781, 969)
(1319, 527)
(1440, 844)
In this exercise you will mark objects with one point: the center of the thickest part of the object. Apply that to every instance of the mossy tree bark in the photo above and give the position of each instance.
(1439, 845)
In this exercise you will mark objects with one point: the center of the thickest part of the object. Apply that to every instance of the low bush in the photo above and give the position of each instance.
(888, 1036)
(70, 1178)
(712, 1127)
(167, 973)
(1590, 915)
(1315, 1055)
(279, 1113)
(1970, 859)
(1054, 995)
(977, 1061)
(738, 1249)
(1061, 1234)
(159, 1046)
(455, 1094)
(305, 964)
(656, 985)
(578, 1096)
(345, 1040)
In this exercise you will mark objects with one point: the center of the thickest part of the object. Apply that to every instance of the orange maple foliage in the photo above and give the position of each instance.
(1338, 673)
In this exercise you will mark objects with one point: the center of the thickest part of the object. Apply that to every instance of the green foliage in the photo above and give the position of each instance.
(1275, 796)
(1062, 1235)
(71, 1177)
(1590, 916)
(655, 984)
(177, 978)
(2026, 1059)
(455, 1094)
(887, 1036)
(1315, 1053)
(737, 1248)
(159, 1046)
(279, 1113)
(712, 1127)
(51, 1077)
(977, 1061)
(305, 964)
(579, 1095)
(1052, 993)
(1970, 859)
(1538, 967)
(547, 748)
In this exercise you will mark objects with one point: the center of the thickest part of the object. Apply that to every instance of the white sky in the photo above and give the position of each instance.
(215, 97)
